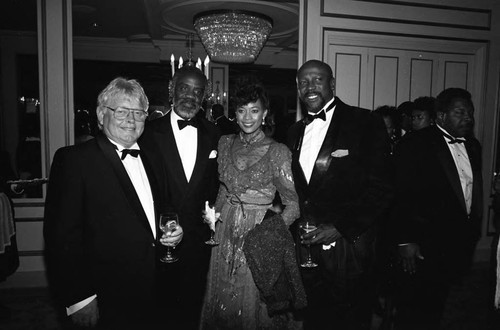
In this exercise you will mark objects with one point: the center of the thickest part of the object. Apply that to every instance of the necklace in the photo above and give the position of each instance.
(254, 137)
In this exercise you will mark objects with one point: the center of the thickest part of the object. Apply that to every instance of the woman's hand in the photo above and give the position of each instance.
(209, 215)
(205, 217)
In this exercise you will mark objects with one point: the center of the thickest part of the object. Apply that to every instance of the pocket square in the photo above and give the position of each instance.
(213, 154)
(340, 153)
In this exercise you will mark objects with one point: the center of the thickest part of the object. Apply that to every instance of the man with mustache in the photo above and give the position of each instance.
(438, 208)
(188, 145)
(338, 162)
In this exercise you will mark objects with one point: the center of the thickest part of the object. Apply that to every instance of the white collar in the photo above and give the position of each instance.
(324, 107)
(119, 147)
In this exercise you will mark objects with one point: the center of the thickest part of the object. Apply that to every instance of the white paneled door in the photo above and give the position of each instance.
(375, 70)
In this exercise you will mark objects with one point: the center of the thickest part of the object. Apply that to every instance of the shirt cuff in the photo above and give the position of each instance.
(79, 305)
(329, 246)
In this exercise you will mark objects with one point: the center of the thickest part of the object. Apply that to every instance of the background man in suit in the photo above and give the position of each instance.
(187, 144)
(338, 165)
(225, 125)
(438, 207)
(101, 213)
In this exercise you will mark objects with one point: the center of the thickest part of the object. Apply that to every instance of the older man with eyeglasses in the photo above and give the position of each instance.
(101, 230)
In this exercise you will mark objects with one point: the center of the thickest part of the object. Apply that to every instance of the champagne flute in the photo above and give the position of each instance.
(212, 240)
(168, 224)
(211, 219)
(307, 227)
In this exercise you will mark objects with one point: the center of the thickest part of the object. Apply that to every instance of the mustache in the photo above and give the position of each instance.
(188, 102)
(312, 94)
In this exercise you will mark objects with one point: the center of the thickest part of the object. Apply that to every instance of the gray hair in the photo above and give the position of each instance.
(119, 87)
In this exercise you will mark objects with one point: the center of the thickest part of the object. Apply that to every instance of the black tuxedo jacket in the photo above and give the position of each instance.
(98, 239)
(188, 198)
(348, 186)
(348, 189)
(430, 206)
(226, 126)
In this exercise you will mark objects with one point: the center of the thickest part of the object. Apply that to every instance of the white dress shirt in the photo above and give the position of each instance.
(187, 144)
(137, 174)
(464, 168)
(314, 135)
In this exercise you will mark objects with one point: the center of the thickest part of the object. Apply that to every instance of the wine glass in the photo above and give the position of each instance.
(168, 224)
(305, 228)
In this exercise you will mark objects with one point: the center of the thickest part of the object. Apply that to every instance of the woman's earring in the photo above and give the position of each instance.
(263, 121)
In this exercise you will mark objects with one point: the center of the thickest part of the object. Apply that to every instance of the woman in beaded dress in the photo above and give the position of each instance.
(252, 168)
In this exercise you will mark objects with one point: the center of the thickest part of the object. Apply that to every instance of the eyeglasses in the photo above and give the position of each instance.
(121, 113)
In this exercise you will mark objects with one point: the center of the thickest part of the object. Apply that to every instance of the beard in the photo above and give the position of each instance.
(186, 108)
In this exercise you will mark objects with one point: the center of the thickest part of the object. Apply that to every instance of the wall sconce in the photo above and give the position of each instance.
(219, 97)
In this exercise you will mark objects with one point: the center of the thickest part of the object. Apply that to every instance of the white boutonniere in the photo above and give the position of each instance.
(213, 154)
(340, 153)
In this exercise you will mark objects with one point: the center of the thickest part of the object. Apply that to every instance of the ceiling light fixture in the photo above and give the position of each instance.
(233, 36)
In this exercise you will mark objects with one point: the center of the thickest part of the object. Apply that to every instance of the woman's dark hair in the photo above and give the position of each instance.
(391, 112)
(248, 89)
(426, 103)
(387, 111)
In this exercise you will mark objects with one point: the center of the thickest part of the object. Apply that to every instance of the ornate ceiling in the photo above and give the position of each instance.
(173, 19)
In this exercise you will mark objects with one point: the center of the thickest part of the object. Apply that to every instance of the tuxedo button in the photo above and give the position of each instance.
(306, 203)
(153, 244)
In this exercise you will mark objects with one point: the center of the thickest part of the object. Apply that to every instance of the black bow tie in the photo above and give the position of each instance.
(132, 152)
(320, 115)
(183, 123)
(452, 139)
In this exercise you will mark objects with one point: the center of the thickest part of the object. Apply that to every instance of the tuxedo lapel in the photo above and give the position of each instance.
(324, 159)
(121, 173)
(154, 185)
(474, 157)
(166, 142)
(202, 154)
(448, 164)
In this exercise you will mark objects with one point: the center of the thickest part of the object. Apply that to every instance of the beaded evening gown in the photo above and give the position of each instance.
(251, 173)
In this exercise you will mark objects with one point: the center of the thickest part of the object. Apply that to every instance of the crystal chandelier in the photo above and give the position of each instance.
(233, 36)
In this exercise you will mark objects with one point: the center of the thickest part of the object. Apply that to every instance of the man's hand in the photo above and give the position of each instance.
(407, 257)
(325, 234)
(87, 316)
(172, 238)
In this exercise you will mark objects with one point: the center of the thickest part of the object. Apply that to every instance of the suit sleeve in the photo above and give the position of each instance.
(407, 219)
(64, 228)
